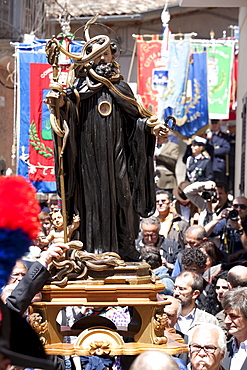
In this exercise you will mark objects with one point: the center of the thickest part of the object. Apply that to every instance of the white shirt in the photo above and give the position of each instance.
(239, 354)
(184, 322)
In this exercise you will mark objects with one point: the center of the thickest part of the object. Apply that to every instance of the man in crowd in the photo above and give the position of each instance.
(150, 236)
(172, 225)
(173, 310)
(207, 347)
(232, 229)
(187, 288)
(166, 155)
(221, 197)
(237, 277)
(154, 360)
(235, 306)
(194, 236)
(221, 144)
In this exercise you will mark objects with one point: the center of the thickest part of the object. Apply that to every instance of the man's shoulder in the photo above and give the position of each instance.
(167, 242)
(203, 316)
(178, 220)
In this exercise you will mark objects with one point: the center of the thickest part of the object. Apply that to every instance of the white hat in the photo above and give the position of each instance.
(199, 140)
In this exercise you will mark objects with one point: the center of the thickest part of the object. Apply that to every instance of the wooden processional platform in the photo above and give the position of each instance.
(129, 285)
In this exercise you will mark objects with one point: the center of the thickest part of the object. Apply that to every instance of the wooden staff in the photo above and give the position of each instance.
(57, 90)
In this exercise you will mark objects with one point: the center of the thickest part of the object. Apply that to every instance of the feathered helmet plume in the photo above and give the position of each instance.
(19, 223)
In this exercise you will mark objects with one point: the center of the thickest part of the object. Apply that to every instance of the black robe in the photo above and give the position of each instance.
(109, 175)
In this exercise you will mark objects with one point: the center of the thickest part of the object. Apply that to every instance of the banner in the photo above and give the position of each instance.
(173, 96)
(220, 62)
(150, 70)
(196, 107)
(35, 159)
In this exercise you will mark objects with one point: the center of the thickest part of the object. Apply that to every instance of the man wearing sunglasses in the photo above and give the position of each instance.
(207, 347)
(231, 226)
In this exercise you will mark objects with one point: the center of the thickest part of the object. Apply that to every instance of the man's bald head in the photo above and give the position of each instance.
(195, 235)
(154, 360)
(237, 276)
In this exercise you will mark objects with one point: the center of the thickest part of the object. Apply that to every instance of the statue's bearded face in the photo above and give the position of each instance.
(103, 69)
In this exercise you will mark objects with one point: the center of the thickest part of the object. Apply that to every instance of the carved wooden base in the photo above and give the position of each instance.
(149, 335)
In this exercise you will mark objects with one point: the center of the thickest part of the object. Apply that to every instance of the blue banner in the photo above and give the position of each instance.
(173, 96)
(196, 107)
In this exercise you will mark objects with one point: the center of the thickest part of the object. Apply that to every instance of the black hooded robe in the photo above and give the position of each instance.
(109, 175)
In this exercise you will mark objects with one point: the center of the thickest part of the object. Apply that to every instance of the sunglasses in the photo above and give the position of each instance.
(150, 235)
(242, 206)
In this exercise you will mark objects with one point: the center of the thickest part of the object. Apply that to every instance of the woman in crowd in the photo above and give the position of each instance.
(213, 261)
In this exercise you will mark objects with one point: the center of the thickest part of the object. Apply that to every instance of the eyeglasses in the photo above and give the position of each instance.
(150, 235)
(208, 348)
(162, 201)
(242, 206)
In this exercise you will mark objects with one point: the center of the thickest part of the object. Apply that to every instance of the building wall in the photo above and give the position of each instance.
(6, 103)
(242, 90)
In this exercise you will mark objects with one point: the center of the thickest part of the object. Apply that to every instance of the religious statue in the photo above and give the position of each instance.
(108, 147)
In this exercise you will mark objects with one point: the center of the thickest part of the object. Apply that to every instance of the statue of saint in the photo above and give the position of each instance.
(108, 156)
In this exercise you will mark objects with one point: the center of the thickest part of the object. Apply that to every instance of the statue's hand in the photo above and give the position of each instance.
(56, 95)
(158, 128)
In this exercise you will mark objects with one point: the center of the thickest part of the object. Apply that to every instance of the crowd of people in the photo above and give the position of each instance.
(203, 268)
(195, 243)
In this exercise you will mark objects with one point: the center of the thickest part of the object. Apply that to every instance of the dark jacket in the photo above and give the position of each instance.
(222, 147)
(226, 362)
(31, 284)
(169, 248)
(199, 169)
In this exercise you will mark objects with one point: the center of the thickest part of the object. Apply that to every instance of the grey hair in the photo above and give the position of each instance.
(153, 220)
(236, 299)
(154, 360)
(205, 328)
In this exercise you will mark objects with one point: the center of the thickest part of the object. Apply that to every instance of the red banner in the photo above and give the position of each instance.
(41, 158)
(150, 70)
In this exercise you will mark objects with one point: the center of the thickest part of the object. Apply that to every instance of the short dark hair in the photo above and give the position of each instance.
(222, 185)
(194, 256)
(151, 256)
(236, 299)
(197, 280)
(169, 195)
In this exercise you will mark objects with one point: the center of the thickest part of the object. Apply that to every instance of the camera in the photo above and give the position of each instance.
(233, 215)
(209, 194)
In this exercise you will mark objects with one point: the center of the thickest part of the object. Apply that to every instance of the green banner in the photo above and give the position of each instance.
(220, 59)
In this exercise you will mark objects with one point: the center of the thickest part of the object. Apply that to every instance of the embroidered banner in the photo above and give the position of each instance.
(151, 72)
(173, 97)
(220, 61)
(35, 160)
(196, 107)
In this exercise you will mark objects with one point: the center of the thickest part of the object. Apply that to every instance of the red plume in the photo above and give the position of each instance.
(19, 208)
